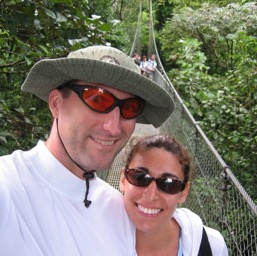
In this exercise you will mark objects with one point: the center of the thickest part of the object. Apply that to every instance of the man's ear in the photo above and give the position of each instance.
(122, 180)
(54, 99)
(184, 193)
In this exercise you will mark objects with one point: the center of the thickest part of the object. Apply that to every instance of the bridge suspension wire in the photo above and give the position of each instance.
(252, 205)
(162, 70)
(136, 46)
(216, 195)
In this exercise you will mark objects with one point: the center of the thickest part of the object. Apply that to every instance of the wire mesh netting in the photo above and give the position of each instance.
(215, 195)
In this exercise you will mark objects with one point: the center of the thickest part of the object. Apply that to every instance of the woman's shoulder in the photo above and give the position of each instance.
(192, 230)
(185, 214)
(216, 241)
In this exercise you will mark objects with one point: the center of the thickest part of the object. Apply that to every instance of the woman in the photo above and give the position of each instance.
(143, 65)
(156, 178)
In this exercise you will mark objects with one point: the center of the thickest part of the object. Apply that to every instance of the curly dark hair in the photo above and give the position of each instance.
(168, 143)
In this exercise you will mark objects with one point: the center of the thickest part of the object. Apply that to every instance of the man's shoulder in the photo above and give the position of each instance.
(10, 162)
(14, 167)
(105, 188)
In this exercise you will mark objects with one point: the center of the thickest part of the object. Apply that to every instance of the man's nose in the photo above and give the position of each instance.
(112, 122)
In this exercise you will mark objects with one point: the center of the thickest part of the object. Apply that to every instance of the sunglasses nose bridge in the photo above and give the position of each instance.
(112, 122)
(116, 103)
(151, 192)
(119, 103)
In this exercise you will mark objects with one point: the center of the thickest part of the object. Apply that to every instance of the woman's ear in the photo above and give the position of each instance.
(184, 193)
(53, 101)
(122, 181)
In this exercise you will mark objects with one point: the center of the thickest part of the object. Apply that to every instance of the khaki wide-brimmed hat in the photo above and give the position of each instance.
(101, 65)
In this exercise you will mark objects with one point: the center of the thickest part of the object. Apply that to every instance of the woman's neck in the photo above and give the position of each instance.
(161, 242)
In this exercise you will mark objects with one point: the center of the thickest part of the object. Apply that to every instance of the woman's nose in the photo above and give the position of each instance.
(151, 192)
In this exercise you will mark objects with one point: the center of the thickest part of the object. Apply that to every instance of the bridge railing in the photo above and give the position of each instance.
(216, 195)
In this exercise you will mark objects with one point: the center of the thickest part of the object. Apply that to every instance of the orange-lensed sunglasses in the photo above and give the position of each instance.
(102, 101)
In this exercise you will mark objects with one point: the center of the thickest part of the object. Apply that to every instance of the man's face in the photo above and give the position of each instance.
(92, 139)
(153, 57)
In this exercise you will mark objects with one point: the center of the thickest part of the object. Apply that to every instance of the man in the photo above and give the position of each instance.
(136, 58)
(151, 66)
(51, 201)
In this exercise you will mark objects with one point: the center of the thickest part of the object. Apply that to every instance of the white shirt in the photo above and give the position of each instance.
(151, 64)
(143, 64)
(192, 230)
(42, 210)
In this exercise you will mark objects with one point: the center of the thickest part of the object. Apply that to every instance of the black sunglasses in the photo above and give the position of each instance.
(140, 177)
(102, 101)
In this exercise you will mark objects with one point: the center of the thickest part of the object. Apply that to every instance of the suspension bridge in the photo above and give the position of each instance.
(216, 195)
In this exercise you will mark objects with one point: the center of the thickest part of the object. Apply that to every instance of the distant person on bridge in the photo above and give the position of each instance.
(51, 201)
(136, 58)
(151, 66)
(143, 65)
(155, 179)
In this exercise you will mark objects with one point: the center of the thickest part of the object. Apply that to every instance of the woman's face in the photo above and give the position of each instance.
(149, 208)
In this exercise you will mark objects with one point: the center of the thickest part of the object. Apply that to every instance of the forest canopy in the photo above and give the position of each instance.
(208, 48)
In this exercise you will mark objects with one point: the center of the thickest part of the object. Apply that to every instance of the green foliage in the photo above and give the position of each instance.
(215, 28)
(20, 129)
(145, 33)
(163, 11)
(212, 52)
(29, 31)
(209, 51)
(35, 29)
(196, 4)
(32, 30)
(128, 26)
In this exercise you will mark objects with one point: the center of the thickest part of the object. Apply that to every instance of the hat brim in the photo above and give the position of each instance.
(48, 74)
